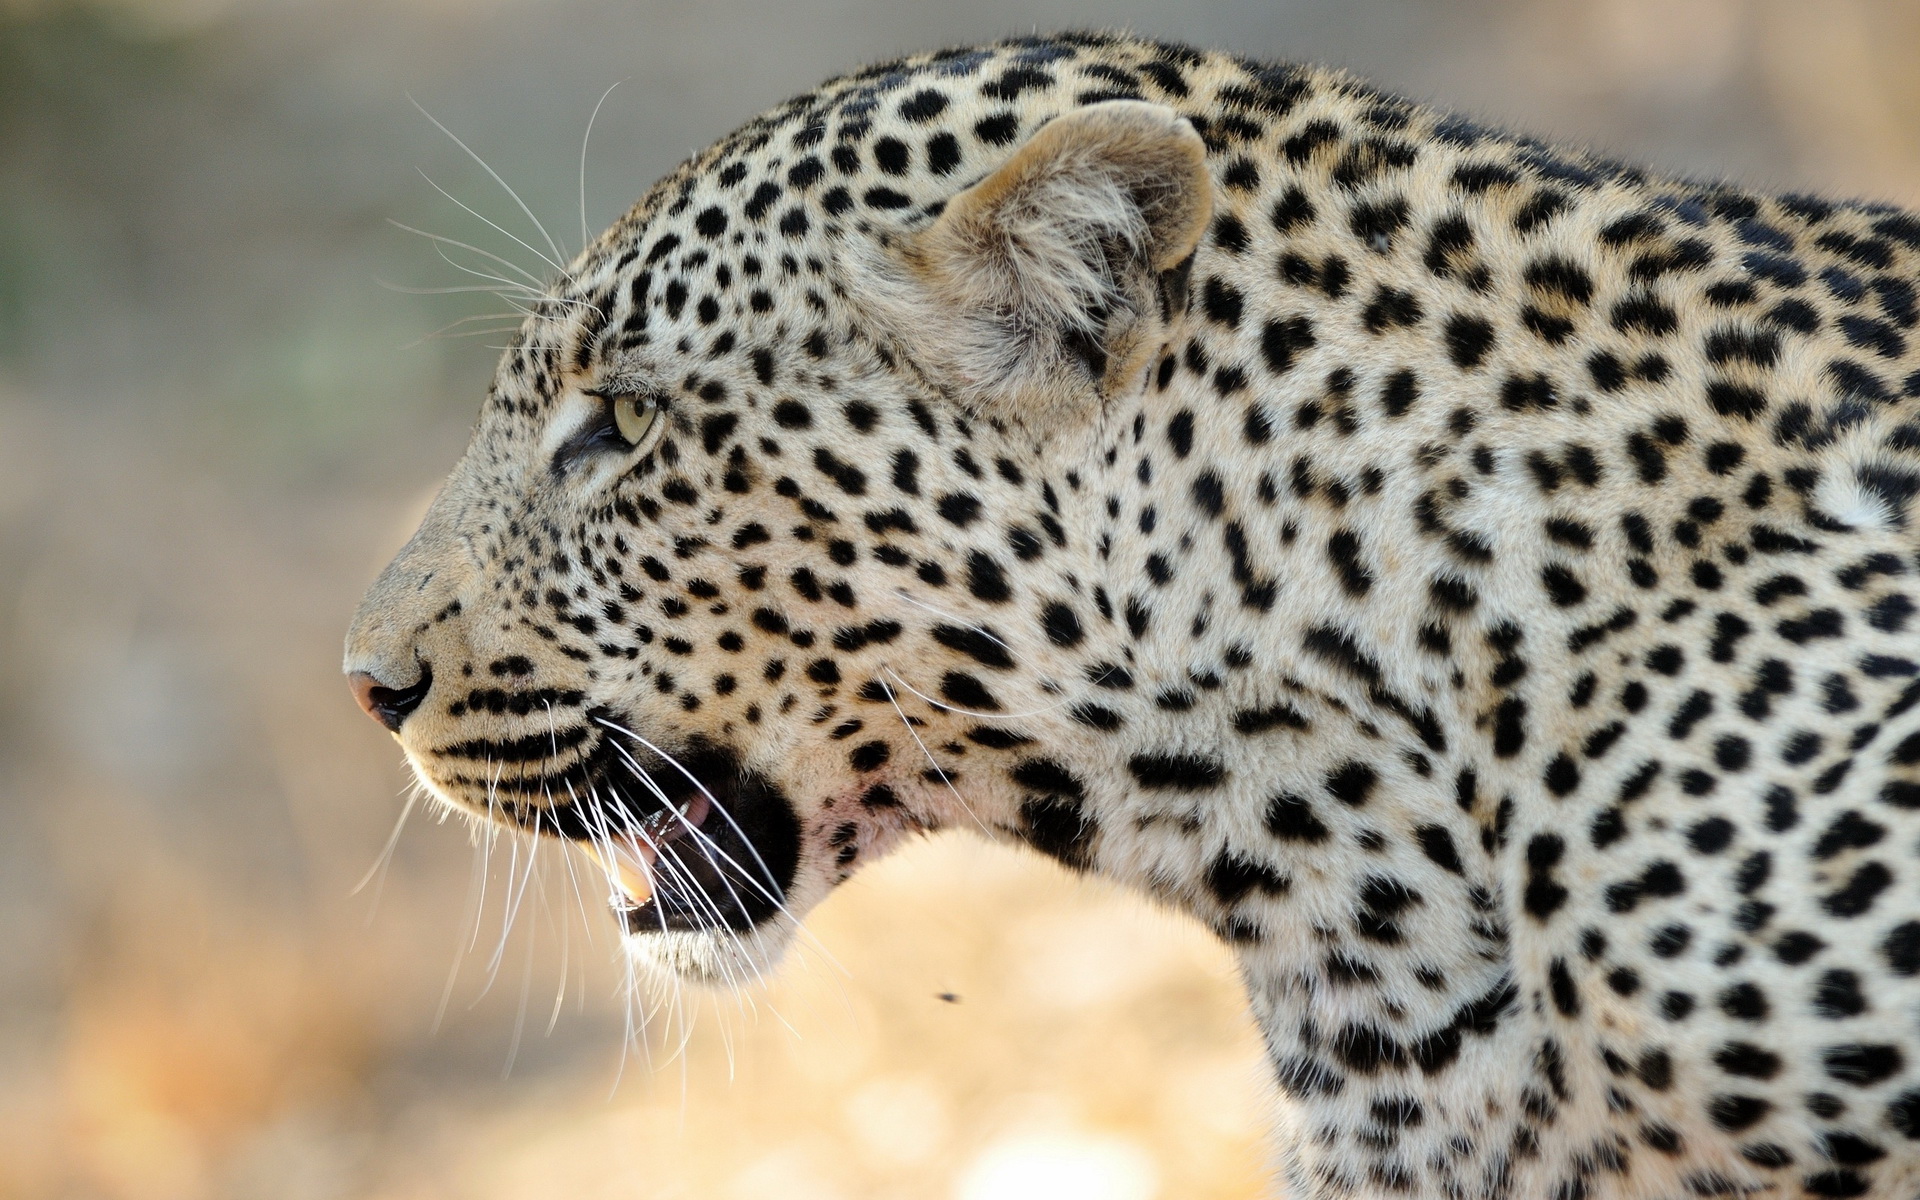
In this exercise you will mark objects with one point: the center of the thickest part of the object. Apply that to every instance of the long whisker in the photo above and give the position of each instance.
(469, 210)
(509, 290)
(470, 333)
(671, 870)
(944, 777)
(967, 712)
(447, 329)
(910, 598)
(538, 283)
(713, 850)
(462, 289)
(494, 824)
(566, 954)
(585, 234)
(526, 986)
(711, 798)
(668, 874)
(551, 244)
(379, 866)
(714, 805)
(475, 890)
(516, 898)
(672, 865)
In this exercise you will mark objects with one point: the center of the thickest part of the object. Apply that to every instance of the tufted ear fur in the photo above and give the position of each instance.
(1039, 284)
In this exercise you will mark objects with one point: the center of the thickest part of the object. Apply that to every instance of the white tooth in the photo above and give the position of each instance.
(631, 864)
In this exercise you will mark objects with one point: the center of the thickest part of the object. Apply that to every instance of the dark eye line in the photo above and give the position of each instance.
(600, 434)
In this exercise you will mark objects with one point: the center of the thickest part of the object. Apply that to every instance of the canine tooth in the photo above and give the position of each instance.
(630, 863)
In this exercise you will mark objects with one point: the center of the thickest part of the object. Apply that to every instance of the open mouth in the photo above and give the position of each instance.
(692, 841)
(632, 858)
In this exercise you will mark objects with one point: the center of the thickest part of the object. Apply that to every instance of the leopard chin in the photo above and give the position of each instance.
(721, 959)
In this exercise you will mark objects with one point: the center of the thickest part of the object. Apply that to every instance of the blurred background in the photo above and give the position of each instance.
(218, 418)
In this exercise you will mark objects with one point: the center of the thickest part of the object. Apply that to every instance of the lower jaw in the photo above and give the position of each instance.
(731, 875)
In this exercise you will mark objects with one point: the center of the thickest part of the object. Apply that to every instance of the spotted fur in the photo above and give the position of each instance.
(1475, 579)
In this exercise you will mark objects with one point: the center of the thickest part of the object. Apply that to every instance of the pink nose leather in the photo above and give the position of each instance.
(389, 706)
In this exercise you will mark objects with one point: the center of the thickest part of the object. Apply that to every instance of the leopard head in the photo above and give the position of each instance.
(779, 535)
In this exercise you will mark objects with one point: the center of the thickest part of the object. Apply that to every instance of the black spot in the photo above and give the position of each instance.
(1351, 783)
(1279, 715)
(1561, 776)
(1177, 772)
(1566, 997)
(1382, 899)
(850, 478)
(1282, 341)
(1849, 831)
(1863, 1064)
(1340, 648)
(1735, 1113)
(1367, 1048)
(1291, 818)
(1180, 432)
(1437, 844)
(1859, 892)
(997, 130)
(1230, 877)
(1057, 826)
(1836, 994)
(923, 106)
(1563, 586)
(1209, 494)
(1901, 948)
(1509, 727)
(976, 644)
(967, 692)
(1095, 716)
(959, 508)
(986, 579)
(1221, 301)
(1747, 1060)
(1903, 1114)
(1468, 340)
(1390, 307)
(1744, 1001)
(1544, 895)
(1343, 551)
(1062, 625)
(943, 153)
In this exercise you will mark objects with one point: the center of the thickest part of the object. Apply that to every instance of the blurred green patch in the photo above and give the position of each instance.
(70, 75)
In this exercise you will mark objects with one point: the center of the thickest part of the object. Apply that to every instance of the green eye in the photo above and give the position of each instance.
(634, 416)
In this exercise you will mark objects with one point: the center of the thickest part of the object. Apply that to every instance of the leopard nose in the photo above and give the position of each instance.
(389, 706)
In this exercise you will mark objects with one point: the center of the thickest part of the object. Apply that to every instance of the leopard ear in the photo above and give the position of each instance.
(1040, 285)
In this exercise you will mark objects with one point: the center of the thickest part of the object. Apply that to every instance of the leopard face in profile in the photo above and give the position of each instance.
(1474, 579)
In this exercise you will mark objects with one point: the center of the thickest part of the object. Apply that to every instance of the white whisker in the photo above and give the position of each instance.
(551, 244)
(967, 712)
(379, 867)
(475, 890)
(915, 735)
(586, 235)
(469, 210)
(526, 986)
(711, 799)
(954, 617)
(538, 283)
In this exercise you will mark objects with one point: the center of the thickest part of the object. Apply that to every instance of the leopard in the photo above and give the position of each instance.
(1473, 578)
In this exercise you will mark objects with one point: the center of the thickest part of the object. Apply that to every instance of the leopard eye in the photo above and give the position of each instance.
(634, 416)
